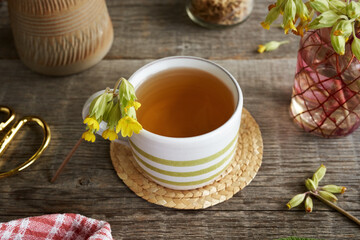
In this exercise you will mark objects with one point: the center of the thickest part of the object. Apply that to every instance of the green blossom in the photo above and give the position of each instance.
(328, 196)
(319, 174)
(320, 5)
(353, 10)
(310, 185)
(355, 47)
(296, 201)
(308, 204)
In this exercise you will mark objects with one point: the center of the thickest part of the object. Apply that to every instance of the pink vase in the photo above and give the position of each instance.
(325, 99)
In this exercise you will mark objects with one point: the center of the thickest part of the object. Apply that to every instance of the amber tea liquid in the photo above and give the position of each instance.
(184, 102)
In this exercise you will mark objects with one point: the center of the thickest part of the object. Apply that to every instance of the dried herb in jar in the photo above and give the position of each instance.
(219, 12)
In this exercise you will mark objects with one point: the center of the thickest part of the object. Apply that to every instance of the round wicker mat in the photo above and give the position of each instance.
(239, 174)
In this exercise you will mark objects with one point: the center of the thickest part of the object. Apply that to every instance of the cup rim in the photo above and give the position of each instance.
(238, 108)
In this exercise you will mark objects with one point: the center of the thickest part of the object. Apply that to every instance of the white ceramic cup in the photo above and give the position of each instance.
(189, 162)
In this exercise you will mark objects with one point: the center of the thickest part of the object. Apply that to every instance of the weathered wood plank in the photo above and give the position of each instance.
(155, 29)
(89, 184)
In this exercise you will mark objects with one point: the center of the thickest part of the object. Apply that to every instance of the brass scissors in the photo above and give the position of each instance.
(5, 142)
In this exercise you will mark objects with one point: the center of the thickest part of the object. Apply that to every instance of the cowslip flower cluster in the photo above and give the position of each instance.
(342, 17)
(312, 184)
(117, 108)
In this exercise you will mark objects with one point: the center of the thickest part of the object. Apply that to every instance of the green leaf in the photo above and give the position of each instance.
(324, 20)
(100, 105)
(108, 111)
(320, 5)
(93, 103)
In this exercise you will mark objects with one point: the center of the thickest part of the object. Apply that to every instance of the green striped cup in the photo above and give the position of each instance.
(190, 162)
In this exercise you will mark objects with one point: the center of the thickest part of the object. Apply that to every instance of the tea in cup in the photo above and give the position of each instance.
(190, 113)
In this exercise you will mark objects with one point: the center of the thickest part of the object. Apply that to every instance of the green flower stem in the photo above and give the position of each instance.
(337, 208)
(116, 85)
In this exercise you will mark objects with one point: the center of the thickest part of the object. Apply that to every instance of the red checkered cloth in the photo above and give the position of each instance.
(54, 227)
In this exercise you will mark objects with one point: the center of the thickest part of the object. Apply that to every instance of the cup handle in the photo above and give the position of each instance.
(103, 125)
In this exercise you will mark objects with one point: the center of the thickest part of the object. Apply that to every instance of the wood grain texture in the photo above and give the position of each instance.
(89, 184)
(160, 28)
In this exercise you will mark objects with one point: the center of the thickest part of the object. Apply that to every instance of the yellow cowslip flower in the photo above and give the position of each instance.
(110, 134)
(289, 25)
(265, 25)
(301, 28)
(137, 105)
(261, 48)
(338, 32)
(128, 125)
(92, 123)
(88, 136)
(134, 104)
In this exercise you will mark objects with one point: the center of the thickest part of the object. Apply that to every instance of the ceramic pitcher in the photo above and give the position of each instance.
(60, 37)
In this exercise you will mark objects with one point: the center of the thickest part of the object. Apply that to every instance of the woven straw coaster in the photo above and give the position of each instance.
(239, 174)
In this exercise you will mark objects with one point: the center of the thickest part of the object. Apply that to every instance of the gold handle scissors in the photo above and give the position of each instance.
(5, 142)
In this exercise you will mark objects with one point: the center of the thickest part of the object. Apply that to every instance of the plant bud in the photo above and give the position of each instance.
(328, 196)
(343, 28)
(337, 5)
(334, 189)
(355, 47)
(301, 10)
(310, 185)
(271, 17)
(353, 10)
(308, 204)
(320, 5)
(270, 46)
(296, 201)
(289, 15)
(320, 172)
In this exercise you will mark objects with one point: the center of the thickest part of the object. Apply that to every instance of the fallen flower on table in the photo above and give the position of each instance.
(270, 46)
(324, 194)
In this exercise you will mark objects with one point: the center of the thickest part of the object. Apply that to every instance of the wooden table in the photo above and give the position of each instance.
(148, 30)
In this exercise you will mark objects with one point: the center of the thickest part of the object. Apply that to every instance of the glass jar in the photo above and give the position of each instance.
(218, 13)
(326, 99)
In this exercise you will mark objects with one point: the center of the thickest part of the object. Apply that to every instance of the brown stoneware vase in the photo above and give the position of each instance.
(60, 37)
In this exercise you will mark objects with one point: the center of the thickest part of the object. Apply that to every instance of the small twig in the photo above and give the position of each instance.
(67, 159)
(337, 208)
